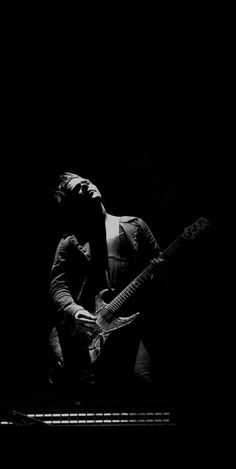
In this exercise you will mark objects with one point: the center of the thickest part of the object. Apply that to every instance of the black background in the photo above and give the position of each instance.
(149, 128)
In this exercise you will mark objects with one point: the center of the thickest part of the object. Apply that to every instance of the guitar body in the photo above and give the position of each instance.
(105, 323)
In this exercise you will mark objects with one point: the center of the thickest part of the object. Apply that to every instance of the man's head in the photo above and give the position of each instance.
(78, 195)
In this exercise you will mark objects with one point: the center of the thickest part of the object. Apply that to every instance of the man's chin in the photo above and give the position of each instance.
(95, 196)
(95, 204)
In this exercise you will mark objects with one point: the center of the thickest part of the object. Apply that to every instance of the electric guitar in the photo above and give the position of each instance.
(106, 315)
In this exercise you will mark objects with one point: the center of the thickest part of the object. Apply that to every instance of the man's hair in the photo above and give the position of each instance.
(60, 194)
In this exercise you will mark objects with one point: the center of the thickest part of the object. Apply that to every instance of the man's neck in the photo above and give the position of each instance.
(112, 226)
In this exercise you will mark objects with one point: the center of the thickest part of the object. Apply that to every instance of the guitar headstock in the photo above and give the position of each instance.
(195, 230)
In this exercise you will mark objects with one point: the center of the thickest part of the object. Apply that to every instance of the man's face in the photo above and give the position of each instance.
(84, 188)
(84, 196)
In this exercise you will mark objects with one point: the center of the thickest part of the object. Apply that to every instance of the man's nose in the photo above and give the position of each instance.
(83, 189)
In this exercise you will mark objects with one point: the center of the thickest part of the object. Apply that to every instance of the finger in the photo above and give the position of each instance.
(85, 318)
(83, 314)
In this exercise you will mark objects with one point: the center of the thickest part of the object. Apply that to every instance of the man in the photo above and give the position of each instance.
(99, 252)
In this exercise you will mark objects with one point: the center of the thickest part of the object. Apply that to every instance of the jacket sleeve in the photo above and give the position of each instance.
(60, 285)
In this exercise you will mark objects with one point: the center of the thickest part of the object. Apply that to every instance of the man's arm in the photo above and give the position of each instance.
(60, 283)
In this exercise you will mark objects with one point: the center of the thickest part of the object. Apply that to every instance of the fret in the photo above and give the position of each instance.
(117, 302)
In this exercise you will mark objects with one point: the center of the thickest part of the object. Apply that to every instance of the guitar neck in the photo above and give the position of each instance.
(173, 247)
